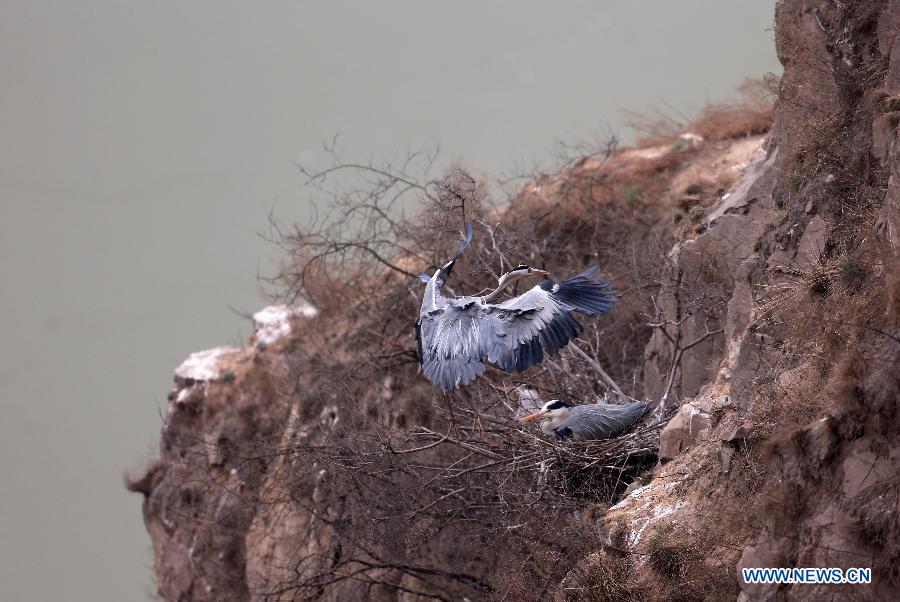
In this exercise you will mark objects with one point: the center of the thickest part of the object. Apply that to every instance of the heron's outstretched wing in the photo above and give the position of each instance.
(603, 421)
(541, 319)
(520, 330)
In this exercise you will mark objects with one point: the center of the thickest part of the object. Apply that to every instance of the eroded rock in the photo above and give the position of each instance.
(273, 323)
(733, 228)
(689, 425)
(204, 365)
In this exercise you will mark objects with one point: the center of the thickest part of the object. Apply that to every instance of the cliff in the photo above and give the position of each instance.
(761, 305)
(783, 455)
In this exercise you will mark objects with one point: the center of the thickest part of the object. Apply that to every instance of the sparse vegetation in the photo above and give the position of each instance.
(685, 204)
(633, 195)
(697, 215)
(818, 279)
(851, 269)
(751, 114)
(693, 189)
(665, 558)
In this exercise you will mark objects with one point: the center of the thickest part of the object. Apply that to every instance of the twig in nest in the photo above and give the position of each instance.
(603, 375)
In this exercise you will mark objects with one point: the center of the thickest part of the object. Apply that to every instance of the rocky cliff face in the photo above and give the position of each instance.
(207, 533)
(785, 456)
(785, 291)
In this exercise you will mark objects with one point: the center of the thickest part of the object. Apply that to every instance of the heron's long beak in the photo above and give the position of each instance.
(539, 272)
(534, 416)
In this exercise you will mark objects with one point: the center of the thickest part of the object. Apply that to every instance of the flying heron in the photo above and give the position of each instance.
(587, 422)
(456, 335)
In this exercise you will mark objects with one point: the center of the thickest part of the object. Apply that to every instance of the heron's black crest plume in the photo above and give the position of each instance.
(448, 266)
(465, 243)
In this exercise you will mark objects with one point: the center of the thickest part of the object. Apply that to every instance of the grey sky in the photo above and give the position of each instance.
(142, 144)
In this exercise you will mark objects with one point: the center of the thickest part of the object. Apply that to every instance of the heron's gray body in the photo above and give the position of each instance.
(594, 421)
(457, 335)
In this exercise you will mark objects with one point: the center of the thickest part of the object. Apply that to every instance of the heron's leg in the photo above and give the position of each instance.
(448, 399)
(466, 396)
(552, 367)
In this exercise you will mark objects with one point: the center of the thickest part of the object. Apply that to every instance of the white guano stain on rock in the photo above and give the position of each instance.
(634, 495)
(643, 508)
(639, 525)
(183, 395)
(203, 365)
(691, 138)
(274, 322)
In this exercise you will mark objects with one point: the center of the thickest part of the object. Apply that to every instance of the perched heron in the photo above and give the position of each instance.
(457, 335)
(587, 422)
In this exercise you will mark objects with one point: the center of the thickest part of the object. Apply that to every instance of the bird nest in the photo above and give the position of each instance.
(561, 471)
(484, 475)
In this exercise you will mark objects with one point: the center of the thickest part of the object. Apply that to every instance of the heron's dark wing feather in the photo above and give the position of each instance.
(419, 339)
(533, 323)
(563, 433)
(511, 336)
(603, 421)
(588, 292)
(523, 328)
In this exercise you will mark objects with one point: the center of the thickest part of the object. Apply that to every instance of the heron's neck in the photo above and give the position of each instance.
(505, 281)
(556, 421)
